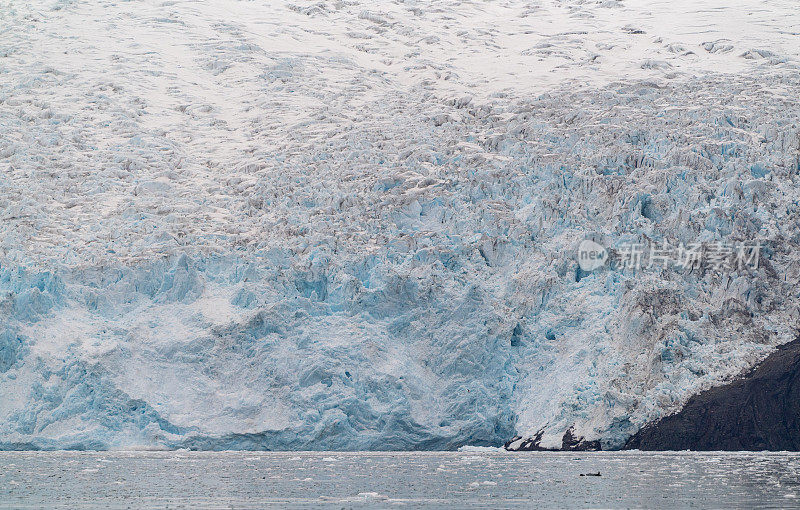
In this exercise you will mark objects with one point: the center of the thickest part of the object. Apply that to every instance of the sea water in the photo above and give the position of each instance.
(476, 479)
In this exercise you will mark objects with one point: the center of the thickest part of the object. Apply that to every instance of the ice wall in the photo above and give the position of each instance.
(218, 243)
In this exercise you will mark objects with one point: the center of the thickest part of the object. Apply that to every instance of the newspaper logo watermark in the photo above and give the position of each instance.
(718, 256)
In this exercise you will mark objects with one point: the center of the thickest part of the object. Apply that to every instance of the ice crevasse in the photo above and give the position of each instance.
(397, 271)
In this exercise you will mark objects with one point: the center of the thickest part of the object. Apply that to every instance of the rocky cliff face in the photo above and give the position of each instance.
(760, 411)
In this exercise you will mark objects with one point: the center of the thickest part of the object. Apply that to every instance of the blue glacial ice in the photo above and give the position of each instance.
(330, 248)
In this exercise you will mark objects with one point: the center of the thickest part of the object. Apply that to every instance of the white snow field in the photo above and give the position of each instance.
(353, 225)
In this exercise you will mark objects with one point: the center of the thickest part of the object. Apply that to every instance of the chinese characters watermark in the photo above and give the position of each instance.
(719, 256)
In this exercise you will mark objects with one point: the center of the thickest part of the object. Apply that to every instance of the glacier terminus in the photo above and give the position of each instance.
(351, 225)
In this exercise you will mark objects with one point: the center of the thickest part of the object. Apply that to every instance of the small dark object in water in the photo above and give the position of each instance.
(591, 474)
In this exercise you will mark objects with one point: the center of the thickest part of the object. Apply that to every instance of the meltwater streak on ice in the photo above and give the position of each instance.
(268, 225)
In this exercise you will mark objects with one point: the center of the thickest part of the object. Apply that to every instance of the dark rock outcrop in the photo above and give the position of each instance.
(569, 443)
(759, 411)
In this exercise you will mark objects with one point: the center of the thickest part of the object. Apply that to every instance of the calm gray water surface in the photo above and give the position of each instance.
(397, 480)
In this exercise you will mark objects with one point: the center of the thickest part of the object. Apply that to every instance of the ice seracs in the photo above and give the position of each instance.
(339, 232)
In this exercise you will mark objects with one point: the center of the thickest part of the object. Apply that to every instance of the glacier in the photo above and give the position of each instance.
(352, 226)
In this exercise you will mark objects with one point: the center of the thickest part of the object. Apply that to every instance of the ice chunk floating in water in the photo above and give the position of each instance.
(302, 236)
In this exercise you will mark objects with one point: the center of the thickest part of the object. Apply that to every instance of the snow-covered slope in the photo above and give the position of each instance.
(353, 225)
